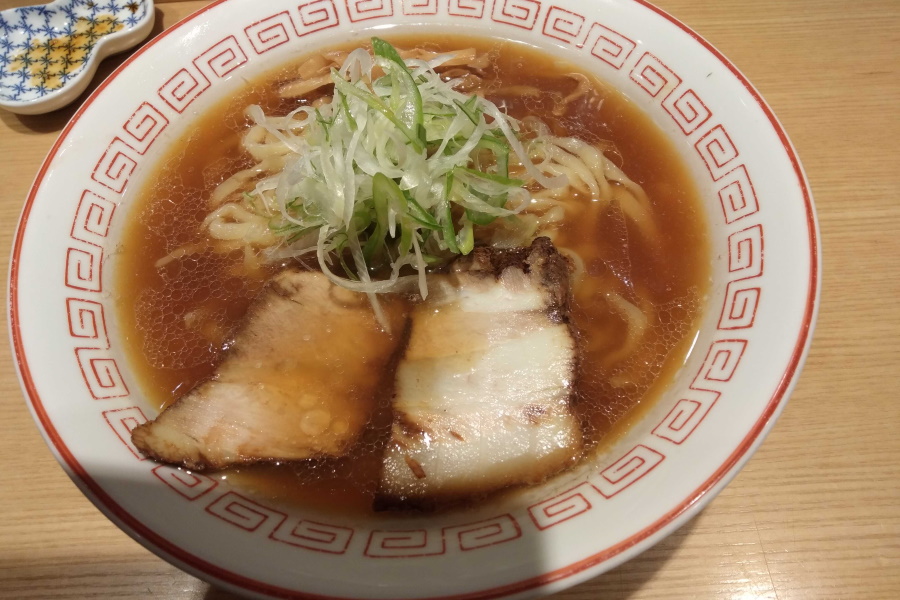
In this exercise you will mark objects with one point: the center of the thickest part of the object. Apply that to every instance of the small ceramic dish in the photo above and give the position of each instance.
(50, 52)
(86, 395)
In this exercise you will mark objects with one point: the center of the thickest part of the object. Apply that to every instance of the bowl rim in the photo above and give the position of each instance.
(575, 572)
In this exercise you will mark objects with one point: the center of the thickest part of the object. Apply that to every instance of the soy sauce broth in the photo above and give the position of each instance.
(176, 318)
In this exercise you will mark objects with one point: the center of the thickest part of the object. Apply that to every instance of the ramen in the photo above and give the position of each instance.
(561, 156)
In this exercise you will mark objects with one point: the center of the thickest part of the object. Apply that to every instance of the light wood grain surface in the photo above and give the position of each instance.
(816, 512)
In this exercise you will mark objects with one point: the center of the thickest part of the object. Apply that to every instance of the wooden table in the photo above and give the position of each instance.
(815, 514)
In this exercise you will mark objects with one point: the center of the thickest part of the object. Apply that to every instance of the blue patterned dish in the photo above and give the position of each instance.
(50, 52)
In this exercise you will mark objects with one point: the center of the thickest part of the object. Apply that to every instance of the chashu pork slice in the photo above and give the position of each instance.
(298, 381)
(483, 389)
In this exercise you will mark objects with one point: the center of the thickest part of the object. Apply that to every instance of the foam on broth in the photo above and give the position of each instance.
(177, 318)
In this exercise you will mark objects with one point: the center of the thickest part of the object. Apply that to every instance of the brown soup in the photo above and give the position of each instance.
(177, 317)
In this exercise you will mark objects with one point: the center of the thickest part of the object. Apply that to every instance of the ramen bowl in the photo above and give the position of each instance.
(745, 358)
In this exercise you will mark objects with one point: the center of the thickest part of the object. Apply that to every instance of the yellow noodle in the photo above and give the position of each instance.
(638, 212)
(301, 87)
(517, 90)
(584, 86)
(240, 180)
(178, 253)
(261, 144)
(467, 57)
(577, 264)
(234, 222)
(636, 321)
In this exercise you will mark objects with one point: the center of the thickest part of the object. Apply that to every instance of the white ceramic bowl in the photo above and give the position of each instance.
(745, 360)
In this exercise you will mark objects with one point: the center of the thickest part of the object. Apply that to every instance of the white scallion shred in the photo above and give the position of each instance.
(374, 174)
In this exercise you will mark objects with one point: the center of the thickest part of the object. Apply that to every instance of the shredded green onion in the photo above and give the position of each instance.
(395, 172)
